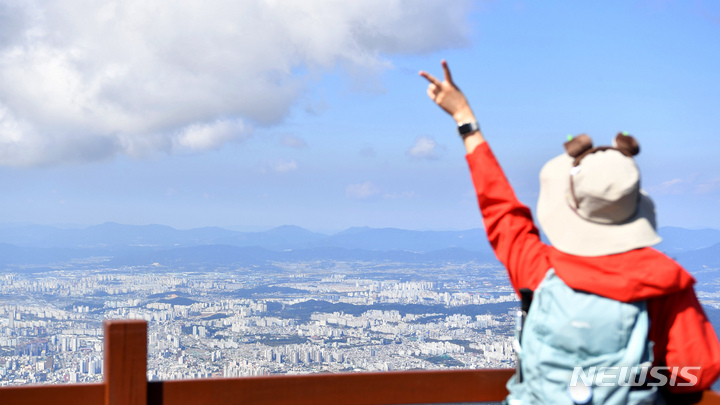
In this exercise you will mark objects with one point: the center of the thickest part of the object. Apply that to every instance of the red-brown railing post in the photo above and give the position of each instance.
(125, 362)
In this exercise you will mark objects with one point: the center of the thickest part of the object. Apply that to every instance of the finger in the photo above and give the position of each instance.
(431, 92)
(430, 78)
(446, 69)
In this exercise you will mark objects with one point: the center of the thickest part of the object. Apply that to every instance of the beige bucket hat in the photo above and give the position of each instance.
(590, 201)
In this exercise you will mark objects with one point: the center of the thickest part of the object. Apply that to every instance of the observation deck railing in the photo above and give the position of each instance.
(126, 383)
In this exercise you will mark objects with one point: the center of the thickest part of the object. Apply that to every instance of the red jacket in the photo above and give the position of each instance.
(682, 334)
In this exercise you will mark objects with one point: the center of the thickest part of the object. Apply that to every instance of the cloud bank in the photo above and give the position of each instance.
(85, 81)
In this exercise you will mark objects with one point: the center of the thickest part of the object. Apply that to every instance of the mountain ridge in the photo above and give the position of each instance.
(122, 245)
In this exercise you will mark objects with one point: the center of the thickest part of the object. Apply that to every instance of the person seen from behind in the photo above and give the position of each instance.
(610, 319)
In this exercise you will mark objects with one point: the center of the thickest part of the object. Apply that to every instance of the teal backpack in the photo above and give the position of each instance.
(565, 329)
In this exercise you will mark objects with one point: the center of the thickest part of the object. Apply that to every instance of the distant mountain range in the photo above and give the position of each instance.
(132, 245)
(697, 250)
(113, 235)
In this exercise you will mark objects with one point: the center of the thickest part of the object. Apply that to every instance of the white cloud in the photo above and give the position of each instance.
(425, 148)
(674, 186)
(293, 141)
(693, 184)
(283, 166)
(361, 190)
(84, 81)
(279, 166)
(198, 137)
(709, 186)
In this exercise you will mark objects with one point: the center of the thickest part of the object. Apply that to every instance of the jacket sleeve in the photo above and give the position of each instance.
(684, 337)
(508, 222)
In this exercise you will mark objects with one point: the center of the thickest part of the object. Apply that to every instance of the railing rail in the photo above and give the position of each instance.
(126, 384)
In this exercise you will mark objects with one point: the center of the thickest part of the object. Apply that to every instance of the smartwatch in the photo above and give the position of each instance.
(468, 128)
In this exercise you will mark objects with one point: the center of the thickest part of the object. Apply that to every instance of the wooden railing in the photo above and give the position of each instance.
(126, 384)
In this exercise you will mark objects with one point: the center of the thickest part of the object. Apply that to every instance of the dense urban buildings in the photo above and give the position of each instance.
(309, 317)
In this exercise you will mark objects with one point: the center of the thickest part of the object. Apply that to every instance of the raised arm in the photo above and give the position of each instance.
(508, 222)
(446, 94)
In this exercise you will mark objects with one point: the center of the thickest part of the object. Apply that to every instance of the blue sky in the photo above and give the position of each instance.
(267, 113)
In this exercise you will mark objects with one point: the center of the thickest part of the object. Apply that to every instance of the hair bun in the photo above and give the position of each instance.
(626, 144)
(578, 145)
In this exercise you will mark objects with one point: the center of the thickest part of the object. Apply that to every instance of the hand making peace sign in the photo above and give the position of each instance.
(448, 96)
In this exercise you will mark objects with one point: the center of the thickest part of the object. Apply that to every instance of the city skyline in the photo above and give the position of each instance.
(199, 117)
(302, 317)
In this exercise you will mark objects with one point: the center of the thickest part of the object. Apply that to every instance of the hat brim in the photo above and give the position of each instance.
(570, 233)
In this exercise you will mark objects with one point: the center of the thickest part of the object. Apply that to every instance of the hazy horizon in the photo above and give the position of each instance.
(241, 228)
